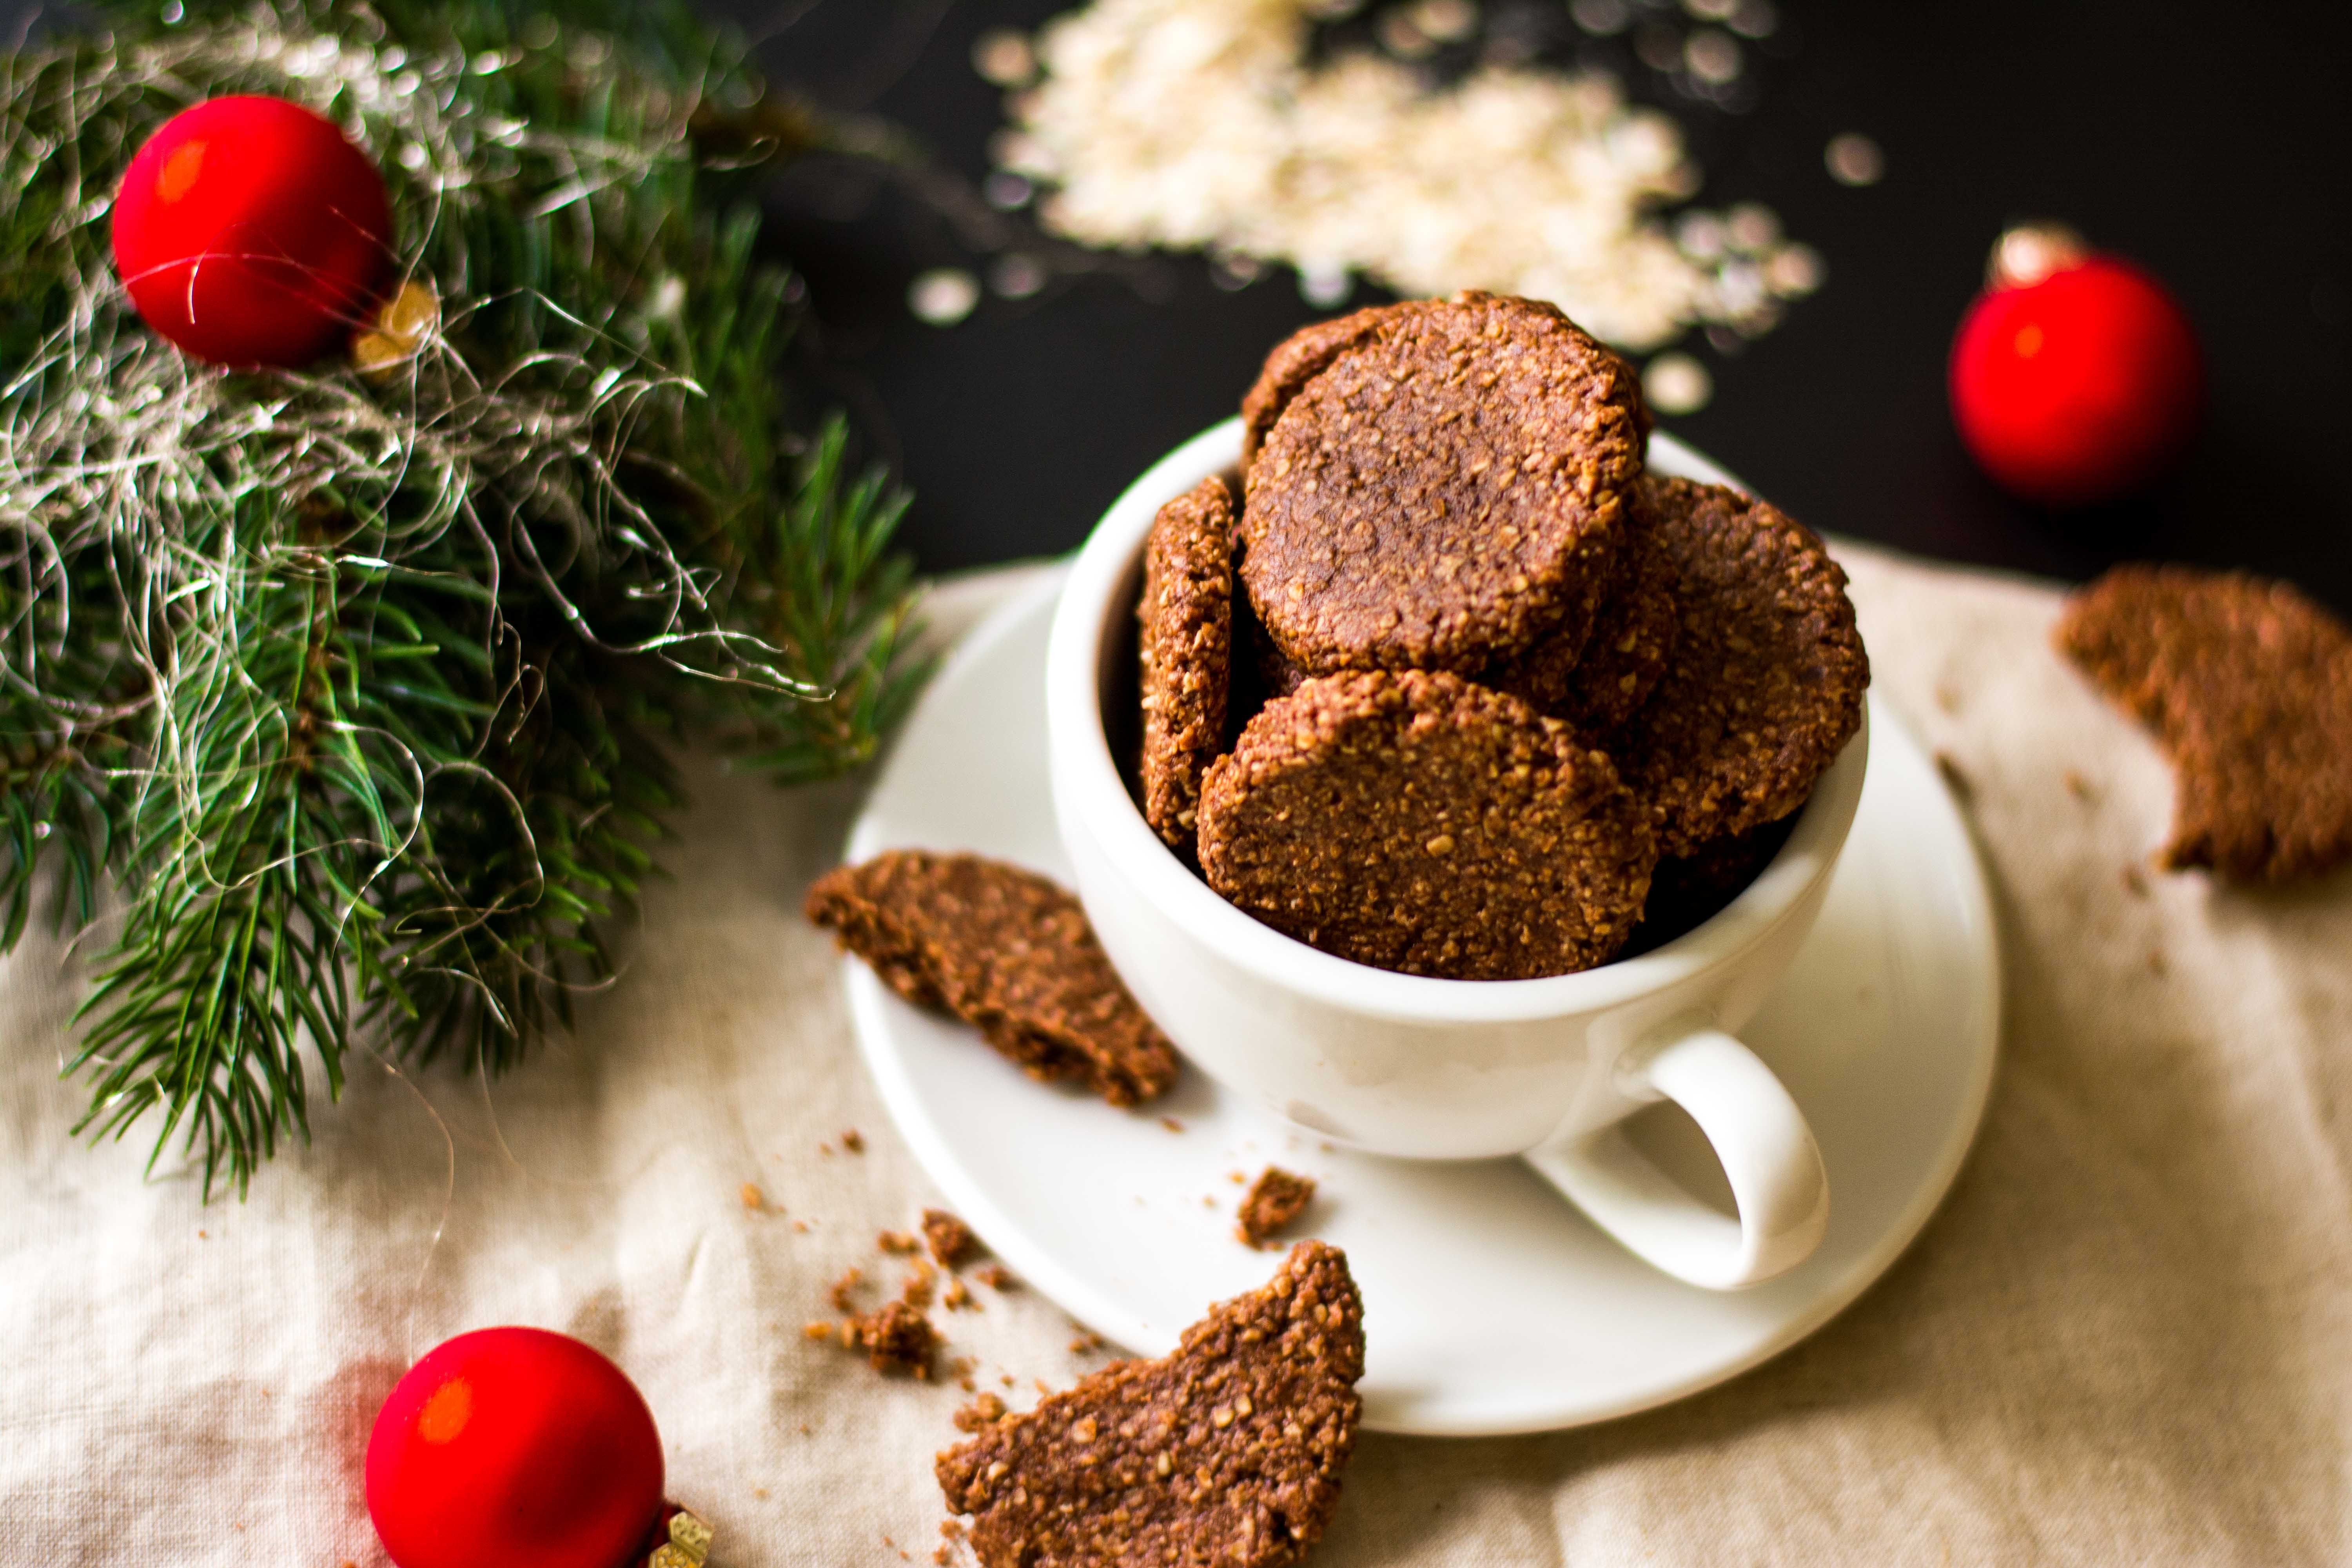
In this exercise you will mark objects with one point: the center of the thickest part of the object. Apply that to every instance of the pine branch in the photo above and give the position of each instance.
(362, 692)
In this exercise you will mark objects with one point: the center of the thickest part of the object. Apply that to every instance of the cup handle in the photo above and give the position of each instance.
(1767, 1151)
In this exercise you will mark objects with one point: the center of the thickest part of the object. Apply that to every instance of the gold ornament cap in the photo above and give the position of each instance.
(398, 332)
(689, 1545)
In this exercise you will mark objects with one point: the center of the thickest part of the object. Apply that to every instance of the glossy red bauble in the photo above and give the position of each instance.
(2077, 382)
(514, 1446)
(250, 232)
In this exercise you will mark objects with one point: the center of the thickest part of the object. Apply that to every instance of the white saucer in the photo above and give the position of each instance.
(1490, 1305)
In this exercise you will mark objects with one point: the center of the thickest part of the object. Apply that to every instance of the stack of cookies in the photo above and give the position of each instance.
(1452, 682)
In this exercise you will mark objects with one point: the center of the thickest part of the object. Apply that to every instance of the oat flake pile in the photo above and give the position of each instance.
(1203, 124)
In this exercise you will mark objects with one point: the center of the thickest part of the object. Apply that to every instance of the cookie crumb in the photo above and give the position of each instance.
(845, 1288)
(949, 1239)
(916, 1289)
(1085, 1343)
(760, 1492)
(985, 1411)
(957, 1296)
(996, 1276)
(1275, 1199)
(896, 1242)
(820, 1329)
(899, 1339)
(753, 1198)
(801, 1226)
(1170, 1124)
(854, 1140)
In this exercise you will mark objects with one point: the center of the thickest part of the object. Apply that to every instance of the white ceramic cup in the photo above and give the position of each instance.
(1452, 1070)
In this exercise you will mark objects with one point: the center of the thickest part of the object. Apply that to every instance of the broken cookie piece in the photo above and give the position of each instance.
(2247, 685)
(898, 1338)
(1274, 1200)
(1006, 951)
(1227, 1452)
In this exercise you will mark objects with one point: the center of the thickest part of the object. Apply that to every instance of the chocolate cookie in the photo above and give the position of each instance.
(1226, 1453)
(1766, 681)
(1597, 682)
(1418, 821)
(1448, 489)
(2249, 686)
(1187, 645)
(1006, 951)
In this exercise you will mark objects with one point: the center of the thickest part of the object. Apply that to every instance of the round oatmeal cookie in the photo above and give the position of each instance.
(1765, 684)
(1448, 489)
(1419, 822)
(1187, 647)
(1597, 682)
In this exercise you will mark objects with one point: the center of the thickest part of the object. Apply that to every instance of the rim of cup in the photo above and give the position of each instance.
(1088, 779)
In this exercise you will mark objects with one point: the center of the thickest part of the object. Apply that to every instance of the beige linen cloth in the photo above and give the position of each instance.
(2124, 1339)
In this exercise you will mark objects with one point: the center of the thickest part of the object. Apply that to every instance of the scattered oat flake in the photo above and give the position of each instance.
(943, 296)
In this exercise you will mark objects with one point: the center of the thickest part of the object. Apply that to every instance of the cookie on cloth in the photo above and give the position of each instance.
(1186, 617)
(1597, 682)
(1006, 951)
(1418, 821)
(1227, 1452)
(2248, 684)
(1448, 490)
(1765, 684)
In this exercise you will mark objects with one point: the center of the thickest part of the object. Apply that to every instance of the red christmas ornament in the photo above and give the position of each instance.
(250, 232)
(2075, 377)
(515, 1447)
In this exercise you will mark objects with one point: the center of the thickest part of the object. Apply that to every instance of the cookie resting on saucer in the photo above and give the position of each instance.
(2248, 684)
(1419, 822)
(1186, 625)
(1228, 1452)
(1006, 951)
(1765, 684)
(1447, 492)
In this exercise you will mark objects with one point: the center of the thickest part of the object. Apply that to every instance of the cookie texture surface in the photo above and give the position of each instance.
(1273, 1201)
(1006, 951)
(1598, 682)
(1765, 683)
(1419, 822)
(1298, 360)
(1227, 1453)
(1187, 651)
(1445, 492)
(2247, 685)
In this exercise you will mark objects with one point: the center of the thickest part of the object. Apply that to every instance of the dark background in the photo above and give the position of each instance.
(2208, 141)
